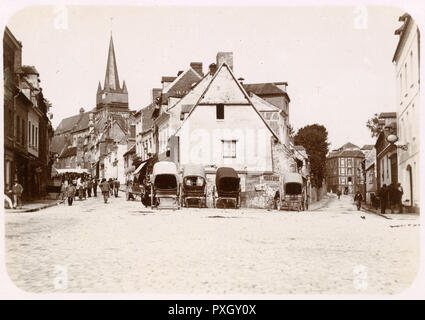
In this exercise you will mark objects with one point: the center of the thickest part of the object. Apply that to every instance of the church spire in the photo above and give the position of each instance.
(111, 77)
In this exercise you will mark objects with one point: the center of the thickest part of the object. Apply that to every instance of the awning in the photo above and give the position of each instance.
(62, 171)
(139, 168)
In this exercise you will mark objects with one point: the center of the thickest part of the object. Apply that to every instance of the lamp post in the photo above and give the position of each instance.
(392, 139)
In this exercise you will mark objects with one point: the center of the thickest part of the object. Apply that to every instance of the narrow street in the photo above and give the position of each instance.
(121, 246)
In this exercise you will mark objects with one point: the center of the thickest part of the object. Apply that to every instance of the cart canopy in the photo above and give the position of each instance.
(194, 170)
(227, 179)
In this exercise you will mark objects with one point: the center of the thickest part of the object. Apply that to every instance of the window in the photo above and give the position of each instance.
(36, 138)
(349, 162)
(342, 171)
(29, 133)
(342, 163)
(18, 131)
(350, 171)
(220, 112)
(23, 131)
(229, 148)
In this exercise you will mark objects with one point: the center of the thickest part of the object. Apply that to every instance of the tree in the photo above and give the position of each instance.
(314, 138)
(374, 125)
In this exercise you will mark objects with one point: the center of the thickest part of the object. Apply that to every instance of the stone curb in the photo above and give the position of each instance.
(365, 209)
(34, 209)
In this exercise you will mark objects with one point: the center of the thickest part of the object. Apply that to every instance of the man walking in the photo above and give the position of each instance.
(383, 197)
(95, 186)
(116, 187)
(17, 191)
(358, 198)
(338, 193)
(89, 187)
(70, 193)
(104, 186)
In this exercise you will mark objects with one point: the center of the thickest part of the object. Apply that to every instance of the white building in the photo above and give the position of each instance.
(406, 60)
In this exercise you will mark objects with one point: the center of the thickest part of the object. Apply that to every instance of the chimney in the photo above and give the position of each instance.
(179, 73)
(197, 66)
(213, 68)
(156, 93)
(81, 110)
(166, 81)
(225, 57)
(241, 80)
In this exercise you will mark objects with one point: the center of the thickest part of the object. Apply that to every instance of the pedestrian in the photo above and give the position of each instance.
(95, 186)
(111, 186)
(105, 187)
(63, 191)
(383, 198)
(358, 198)
(89, 187)
(399, 198)
(116, 187)
(338, 193)
(17, 191)
(85, 188)
(392, 196)
(80, 188)
(70, 193)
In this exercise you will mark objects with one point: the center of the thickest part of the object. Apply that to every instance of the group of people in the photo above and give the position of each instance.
(84, 186)
(15, 192)
(390, 197)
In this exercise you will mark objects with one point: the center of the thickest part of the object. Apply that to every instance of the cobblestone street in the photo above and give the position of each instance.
(124, 247)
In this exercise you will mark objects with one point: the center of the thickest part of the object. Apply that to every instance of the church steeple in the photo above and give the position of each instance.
(112, 95)
(111, 77)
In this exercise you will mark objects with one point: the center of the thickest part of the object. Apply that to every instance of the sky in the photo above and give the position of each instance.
(337, 60)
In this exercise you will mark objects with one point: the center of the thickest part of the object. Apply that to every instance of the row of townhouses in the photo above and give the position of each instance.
(395, 156)
(211, 118)
(27, 127)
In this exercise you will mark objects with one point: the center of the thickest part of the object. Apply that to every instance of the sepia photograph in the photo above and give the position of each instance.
(225, 150)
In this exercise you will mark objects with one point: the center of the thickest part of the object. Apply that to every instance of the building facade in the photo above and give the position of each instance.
(27, 128)
(344, 169)
(407, 61)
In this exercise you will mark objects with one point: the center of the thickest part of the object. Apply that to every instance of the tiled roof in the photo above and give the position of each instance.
(181, 85)
(349, 145)
(58, 143)
(263, 88)
(346, 153)
(74, 123)
(147, 120)
(68, 152)
(168, 79)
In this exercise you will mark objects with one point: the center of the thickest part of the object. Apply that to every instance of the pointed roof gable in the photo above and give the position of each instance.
(230, 95)
(224, 89)
(111, 77)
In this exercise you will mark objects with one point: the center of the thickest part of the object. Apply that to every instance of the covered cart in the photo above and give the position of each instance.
(194, 186)
(227, 187)
(165, 186)
(291, 193)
